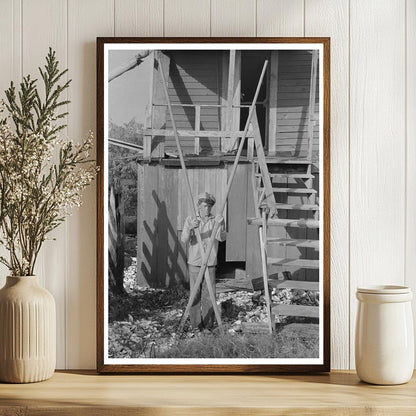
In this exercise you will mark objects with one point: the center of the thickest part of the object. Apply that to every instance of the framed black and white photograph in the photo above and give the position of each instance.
(213, 205)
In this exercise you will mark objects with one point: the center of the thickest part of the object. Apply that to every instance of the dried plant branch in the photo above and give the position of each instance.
(41, 176)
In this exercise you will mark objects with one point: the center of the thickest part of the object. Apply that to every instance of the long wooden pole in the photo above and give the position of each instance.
(194, 208)
(230, 96)
(263, 242)
(312, 95)
(224, 202)
(263, 239)
(130, 64)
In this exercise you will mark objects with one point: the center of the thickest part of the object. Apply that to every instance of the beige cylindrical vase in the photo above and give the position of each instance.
(384, 341)
(27, 331)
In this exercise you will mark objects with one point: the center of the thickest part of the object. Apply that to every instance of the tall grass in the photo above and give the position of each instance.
(289, 343)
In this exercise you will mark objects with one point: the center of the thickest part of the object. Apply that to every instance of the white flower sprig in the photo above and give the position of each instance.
(41, 176)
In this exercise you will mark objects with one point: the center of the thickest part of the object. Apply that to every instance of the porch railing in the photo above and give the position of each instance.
(197, 133)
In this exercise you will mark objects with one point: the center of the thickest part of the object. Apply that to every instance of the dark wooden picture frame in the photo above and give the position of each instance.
(157, 142)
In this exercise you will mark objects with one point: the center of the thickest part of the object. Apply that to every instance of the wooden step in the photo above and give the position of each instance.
(295, 243)
(300, 207)
(287, 161)
(277, 189)
(288, 175)
(255, 327)
(298, 223)
(258, 284)
(296, 310)
(293, 263)
(294, 284)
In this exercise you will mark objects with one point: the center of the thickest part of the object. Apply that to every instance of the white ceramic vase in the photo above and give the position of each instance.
(27, 331)
(384, 340)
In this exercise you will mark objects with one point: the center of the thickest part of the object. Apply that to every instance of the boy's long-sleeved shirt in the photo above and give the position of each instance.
(205, 229)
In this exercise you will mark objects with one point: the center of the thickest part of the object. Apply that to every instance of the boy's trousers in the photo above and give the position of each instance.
(202, 313)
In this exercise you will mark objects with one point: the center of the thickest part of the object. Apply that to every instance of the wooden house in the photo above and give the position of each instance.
(210, 92)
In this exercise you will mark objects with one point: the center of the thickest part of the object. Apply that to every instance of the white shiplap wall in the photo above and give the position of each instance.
(373, 132)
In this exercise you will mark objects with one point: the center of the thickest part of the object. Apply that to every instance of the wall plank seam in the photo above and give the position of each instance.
(210, 18)
(67, 248)
(21, 39)
(349, 184)
(361, 150)
(405, 144)
(304, 17)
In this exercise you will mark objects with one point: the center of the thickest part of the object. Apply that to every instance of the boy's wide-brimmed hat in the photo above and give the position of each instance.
(206, 197)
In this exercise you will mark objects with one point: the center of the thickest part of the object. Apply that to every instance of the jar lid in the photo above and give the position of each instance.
(384, 289)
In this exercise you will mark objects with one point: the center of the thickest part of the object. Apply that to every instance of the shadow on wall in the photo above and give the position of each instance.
(164, 252)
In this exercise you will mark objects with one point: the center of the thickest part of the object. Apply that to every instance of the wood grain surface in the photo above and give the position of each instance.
(85, 393)
(85, 19)
(233, 18)
(410, 261)
(377, 149)
(331, 18)
(185, 18)
(52, 261)
(10, 64)
(373, 153)
(280, 18)
(138, 18)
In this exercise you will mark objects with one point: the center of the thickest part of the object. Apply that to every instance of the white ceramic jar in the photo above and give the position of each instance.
(384, 338)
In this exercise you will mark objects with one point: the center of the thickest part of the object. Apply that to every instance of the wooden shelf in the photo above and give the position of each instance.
(86, 393)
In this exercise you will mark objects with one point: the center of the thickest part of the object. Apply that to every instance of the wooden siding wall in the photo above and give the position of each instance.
(195, 78)
(373, 130)
(237, 207)
(161, 255)
(212, 180)
(163, 205)
(293, 84)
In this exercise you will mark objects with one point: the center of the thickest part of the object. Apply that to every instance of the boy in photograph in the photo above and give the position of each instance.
(202, 312)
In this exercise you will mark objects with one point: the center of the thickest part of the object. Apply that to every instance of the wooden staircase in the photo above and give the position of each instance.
(275, 182)
(270, 214)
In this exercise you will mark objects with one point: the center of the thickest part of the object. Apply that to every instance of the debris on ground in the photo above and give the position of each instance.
(146, 320)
